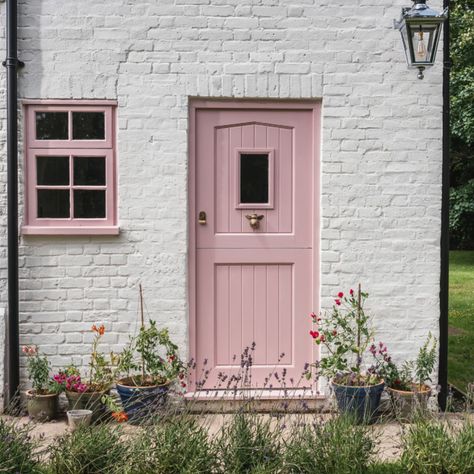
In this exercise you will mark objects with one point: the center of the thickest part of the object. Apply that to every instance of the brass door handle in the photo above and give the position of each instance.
(254, 220)
(202, 219)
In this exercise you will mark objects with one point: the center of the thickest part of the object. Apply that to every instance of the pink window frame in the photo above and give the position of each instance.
(271, 173)
(33, 147)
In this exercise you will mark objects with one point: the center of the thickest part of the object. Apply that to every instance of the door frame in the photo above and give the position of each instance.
(196, 104)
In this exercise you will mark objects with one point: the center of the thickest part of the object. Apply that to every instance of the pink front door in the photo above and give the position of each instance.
(254, 227)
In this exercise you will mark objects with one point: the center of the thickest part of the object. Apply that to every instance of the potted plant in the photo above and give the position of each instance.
(42, 399)
(150, 364)
(407, 385)
(88, 393)
(345, 333)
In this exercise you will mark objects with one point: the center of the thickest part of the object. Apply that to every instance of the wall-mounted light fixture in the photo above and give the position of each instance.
(420, 27)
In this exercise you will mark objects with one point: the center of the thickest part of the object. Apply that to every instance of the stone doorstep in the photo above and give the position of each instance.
(261, 401)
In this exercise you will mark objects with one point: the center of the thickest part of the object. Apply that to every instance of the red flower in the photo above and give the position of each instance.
(314, 334)
(338, 302)
(351, 292)
(313, 316)
(323, 337)
(183, 384)
(120, 416)
(334, 333)
(340, 294)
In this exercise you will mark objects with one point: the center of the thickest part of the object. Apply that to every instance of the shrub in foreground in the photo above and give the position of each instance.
(432, 447)
(329, 447)
(17, 450)
(97, 449)
(250, 443)
(171, 446)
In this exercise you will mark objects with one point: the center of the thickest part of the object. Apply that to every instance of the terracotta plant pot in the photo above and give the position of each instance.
(406, 403)
(78, 418)
(88, 401)
(41, 407)
(140, 402)
(360, 402)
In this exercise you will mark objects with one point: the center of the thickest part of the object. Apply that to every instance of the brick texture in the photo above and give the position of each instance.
(381, 154)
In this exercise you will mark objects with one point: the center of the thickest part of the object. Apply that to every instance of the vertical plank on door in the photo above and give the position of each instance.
(285, 313)
(222, 315)
(273, 137)
(260, 313)
(247, 305)
(235, 311)
(222, 180)
(235, 215)
(286, 181)
(272, 314)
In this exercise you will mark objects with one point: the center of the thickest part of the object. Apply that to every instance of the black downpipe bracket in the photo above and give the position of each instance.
(12, 341)
(444, 280)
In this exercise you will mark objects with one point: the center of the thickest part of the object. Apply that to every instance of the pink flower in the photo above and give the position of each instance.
(314, 334)
(340, 294)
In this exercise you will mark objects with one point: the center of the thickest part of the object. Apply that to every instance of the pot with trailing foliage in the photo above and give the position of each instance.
(150, 365)
(42, 398)
(345, 334)
(407, 385)
(88, 393)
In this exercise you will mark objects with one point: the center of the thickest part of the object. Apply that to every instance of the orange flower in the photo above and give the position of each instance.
(120, 416)
(99, 330)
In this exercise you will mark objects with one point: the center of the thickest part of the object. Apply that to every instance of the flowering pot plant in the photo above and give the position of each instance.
(42, 399)
(87, 393)
(407, 384)
(150, 364)
(346, 333)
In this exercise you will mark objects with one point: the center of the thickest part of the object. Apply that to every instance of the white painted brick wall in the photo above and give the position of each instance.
(381, 152)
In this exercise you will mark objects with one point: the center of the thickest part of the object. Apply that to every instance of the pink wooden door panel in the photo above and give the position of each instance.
(253, 286)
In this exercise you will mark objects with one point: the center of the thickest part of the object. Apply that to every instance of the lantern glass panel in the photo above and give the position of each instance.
(423, 43)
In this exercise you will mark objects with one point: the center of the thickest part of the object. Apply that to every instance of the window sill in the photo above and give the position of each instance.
(82, 230)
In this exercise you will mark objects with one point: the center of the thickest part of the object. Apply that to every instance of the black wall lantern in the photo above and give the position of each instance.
(420, 27)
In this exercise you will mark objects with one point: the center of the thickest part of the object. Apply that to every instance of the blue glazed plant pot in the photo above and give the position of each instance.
(360, 402)
(141, 402)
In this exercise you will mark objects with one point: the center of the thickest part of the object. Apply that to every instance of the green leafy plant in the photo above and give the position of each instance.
(38, 368)
(412, 374)
(172, 445)
(249, 444)
(102, 370)
(461, 214)
(151, 358)
(18, 452)
(338, 445)
(427, 448)
(96, 449)
(345, 333)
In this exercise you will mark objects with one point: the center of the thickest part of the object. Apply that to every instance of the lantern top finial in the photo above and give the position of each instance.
(421, 10)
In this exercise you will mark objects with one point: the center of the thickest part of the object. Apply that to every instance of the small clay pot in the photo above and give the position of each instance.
(406, 403)
(88, 401)
(78, 418)
(41, 407)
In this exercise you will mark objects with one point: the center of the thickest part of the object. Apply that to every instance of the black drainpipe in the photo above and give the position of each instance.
(11, 63)
(444, 283)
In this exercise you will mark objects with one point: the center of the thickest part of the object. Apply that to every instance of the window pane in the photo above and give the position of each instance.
(253, 178)
(88, 126)
(52, 170)
(89, 170)
(89, 204)
(53, 203)
(51, 126)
